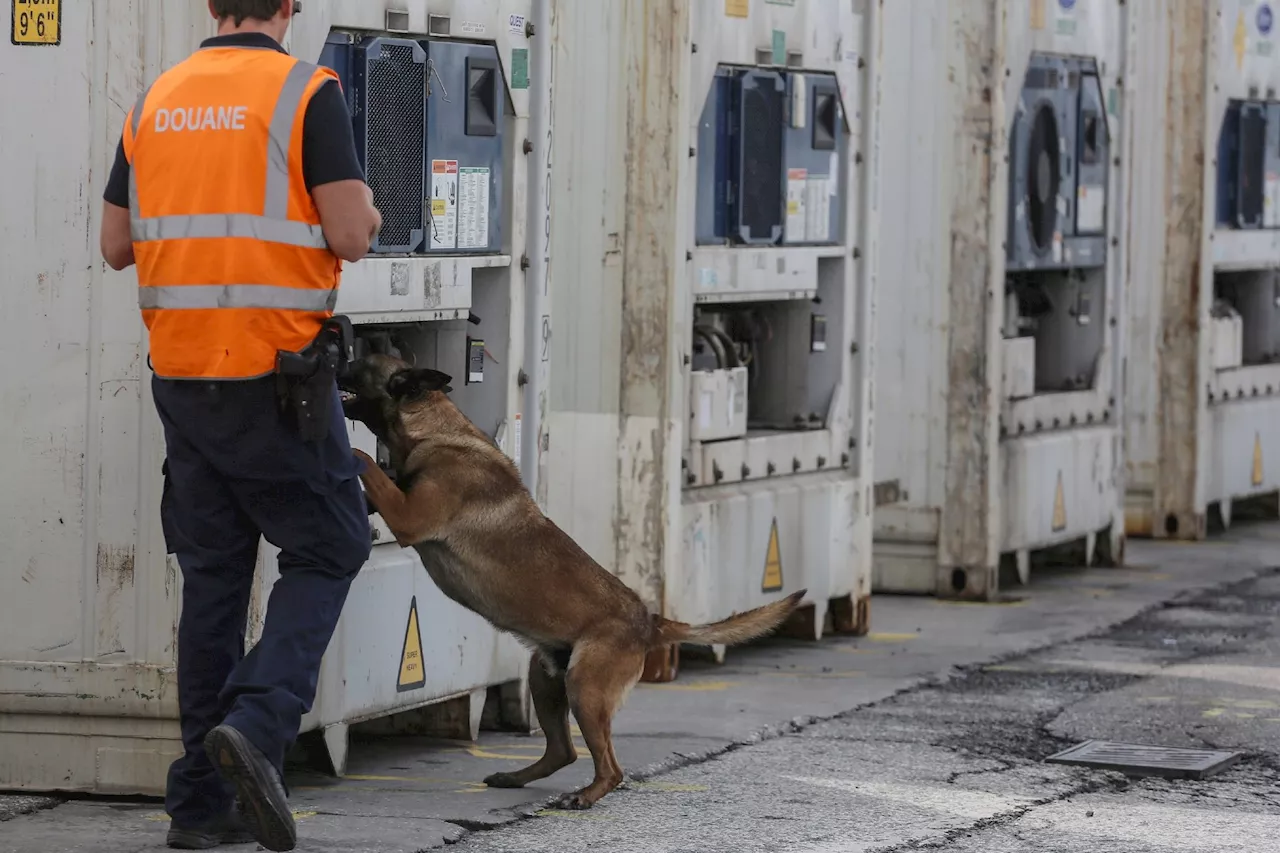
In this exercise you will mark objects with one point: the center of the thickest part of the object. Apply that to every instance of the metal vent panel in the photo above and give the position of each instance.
(392, 125)
(1134, 759)
(761, 189)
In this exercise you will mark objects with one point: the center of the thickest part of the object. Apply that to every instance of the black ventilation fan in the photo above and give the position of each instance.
(1044, 178)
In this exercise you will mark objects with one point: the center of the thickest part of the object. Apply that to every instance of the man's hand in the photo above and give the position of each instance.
(348, 217)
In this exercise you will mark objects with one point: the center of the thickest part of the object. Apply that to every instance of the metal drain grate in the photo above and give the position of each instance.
(1134, 759)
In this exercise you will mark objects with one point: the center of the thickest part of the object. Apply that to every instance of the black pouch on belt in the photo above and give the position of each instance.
(305, 380)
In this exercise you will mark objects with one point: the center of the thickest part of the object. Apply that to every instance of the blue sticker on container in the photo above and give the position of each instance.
(1265, 19)
(1067, 4)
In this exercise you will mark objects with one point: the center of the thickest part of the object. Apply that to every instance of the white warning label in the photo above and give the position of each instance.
(444, 204)
(817, 209)
(473, 208)
(797, 180)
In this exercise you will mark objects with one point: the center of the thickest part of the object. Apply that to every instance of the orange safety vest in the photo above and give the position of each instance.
(232, 262)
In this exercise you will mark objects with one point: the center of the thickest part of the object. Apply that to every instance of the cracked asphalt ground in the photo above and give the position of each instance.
(959, 765)
(929, 734)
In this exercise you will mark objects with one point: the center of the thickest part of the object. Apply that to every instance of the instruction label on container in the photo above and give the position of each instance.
(1271, 200)
(817, 208)
(808, 206)
(1091, 207)
(473, 207)
(797, 200)
(444, 204)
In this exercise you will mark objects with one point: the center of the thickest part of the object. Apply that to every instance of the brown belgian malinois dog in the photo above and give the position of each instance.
(459, 501)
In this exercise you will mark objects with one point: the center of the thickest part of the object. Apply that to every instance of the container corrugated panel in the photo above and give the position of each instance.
(629, 93)
(90, 599)
(1201, 419)
(972, 477)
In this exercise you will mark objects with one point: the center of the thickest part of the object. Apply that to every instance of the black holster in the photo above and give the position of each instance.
(305, 380)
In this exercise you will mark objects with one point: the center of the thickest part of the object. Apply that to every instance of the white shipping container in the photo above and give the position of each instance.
(90, 600)
(658, 280)
(1000, 332)
(1204, 366)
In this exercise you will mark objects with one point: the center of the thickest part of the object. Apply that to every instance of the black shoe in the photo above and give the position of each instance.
(230, 829)
(258, 788)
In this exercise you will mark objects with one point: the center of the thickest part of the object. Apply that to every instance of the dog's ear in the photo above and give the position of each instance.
(413, 384)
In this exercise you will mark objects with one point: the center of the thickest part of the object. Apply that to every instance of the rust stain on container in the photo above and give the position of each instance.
(1177, 350)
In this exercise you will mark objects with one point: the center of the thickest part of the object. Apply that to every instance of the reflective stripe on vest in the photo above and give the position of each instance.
(236, 296)
(274, 225)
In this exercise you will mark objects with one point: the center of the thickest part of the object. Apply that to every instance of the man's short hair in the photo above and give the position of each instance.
(263, 10)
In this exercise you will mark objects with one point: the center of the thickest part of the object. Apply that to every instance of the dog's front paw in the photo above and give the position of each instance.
(572, 802)
(503, 780)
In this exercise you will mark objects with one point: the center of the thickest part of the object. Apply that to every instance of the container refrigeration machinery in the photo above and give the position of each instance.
(1204, 367)
(733, 462)
(999, 402)
(446, 98)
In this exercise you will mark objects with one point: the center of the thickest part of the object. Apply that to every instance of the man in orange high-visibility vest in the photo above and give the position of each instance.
(237, 193)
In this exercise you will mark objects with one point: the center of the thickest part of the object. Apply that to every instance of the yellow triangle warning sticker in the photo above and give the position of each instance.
(772, 562)
(412, 674)
(1256, 479)
(1059, 507)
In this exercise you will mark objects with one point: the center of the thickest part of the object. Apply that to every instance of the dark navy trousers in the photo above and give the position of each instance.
(236, 469)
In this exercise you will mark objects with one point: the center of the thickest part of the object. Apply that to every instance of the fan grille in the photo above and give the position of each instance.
(1044, 178)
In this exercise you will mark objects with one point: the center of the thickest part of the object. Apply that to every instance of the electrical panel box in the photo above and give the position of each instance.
(1226, 328)
(1018, 367)
(1058, 167)
(740, 193)
(814, 145)
(429, 119)
(465, 119)
(718, 404)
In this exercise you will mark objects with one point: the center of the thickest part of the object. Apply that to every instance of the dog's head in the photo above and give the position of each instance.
(379, 390)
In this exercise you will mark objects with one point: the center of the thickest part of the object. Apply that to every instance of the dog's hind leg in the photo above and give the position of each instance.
(600, 676)
(551, 702)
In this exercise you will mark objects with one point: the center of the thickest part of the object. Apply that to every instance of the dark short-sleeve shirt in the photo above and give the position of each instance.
(328, 142)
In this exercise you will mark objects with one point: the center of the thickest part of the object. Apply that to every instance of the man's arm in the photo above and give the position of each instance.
(334, 177)
(114, 239)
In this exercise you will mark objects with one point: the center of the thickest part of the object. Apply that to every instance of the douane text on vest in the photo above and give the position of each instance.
(200, 118)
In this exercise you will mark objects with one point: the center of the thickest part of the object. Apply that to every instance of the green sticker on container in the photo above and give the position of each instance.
(519, 68)
(1113, 100)
(779, 47)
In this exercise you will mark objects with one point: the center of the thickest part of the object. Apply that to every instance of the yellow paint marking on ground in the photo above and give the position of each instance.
(472, 788)
(692, 686)
(854, 650)
(477, 752)
(890, 638)
(1214, 712)
(360, 777)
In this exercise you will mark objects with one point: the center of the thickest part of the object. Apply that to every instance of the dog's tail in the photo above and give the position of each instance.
(729, 632)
